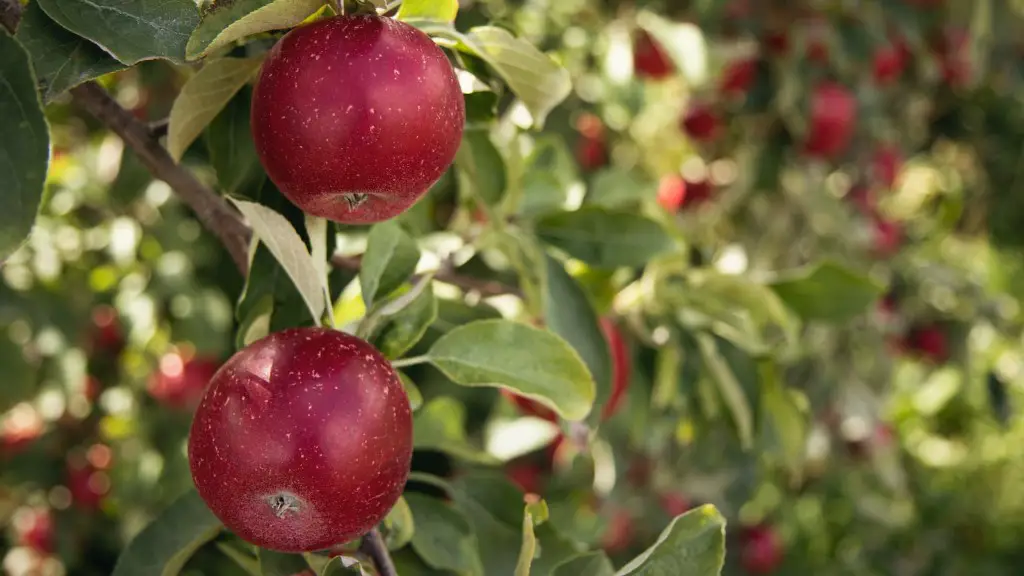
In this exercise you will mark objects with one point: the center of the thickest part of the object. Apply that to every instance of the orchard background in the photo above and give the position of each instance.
(711, 287)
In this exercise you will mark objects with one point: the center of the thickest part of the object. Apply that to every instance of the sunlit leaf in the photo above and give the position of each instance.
(226, 22)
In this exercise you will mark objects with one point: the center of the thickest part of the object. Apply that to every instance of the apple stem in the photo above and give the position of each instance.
(411, 361)
(373, 546)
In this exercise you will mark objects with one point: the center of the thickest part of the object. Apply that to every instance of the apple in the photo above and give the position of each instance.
(738, 77)
(833, 119)
(700, 122)
(676, 193)
(88, 484)
(526, 475)
(34, 528)
(674, 504)
(303, 440)
(954, 58)
(888, 236)
(649, 59)
(19, 428)
(761, 551)
(591, 153)
(621, 367)
(179, 382)
(618, 536)
(886, 165)
(929, 342)
(356, 117)
(888, 63)
(530, 407)
(862, 197)
(106, 335)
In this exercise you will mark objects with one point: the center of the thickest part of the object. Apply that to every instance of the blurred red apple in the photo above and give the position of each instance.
(106, 335)
(954, 59)
(671, 192)
(649, 59)
(622, 367)
(20, 427)
(928, 341)
(619, 535)
(888, 63)
(888, 236)
(591, 153)
(530, 407)
(180, 380)
(887, 164)
(87, 483)
(526, 475)
(832, 120)
(674, 504)
(34, 528)
(761, 551)
(738, 77)
(861, 197)
(700, 122)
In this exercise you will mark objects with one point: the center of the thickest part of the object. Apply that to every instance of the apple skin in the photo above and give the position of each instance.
(886, 165)
(700, 122)
(34, 528)
(928, 341)
(619, 535)
(302, 441)
(738, 77)
(88, 484)
(674, 504)
(527, 476)
(762, 550)
(649, 59)
(179, 383)
(888, 63)
(356, 117)
(106, 335)
(833, 119)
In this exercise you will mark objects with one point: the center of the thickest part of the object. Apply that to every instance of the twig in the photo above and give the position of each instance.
(374, 547)
(10, 14)
(468, 283)
(158, 128)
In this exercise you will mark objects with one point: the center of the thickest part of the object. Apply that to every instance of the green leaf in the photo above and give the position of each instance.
(693, 544)
(342, 566)
(281, 564)
(61, 60)
(246, 561)
(783, 424)
(828, 292)
(443, 537)
(412, 391)
(163, 547)
(531, 362)
(605, 238)
(441, 425)
(203, 97)
(231, 147)
(24, 148)
(527, 257)
(403, 329)
(390, 258)
(130, 31)
(528, 548)
(590, 563)
(398, 526)
(278, 235)
(437, 10)
(226, 22)
(548, 177)
(569, 313)
(538, 81)
(615, 188)
(481, 167)
(730, 388)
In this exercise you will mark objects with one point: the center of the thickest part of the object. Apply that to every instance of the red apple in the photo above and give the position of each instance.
(671, 192)
(674, 504)
(619, 535)
(833, 119)
(954, 58)
(649, 59)
(34, 529)
(527, 476)
(776, 43)
(591, 153)
(179, 382)
(887, 164)
(761, 551)
(106, 336)
(88, 484)
(303, 440)
(530, 407)
(928, 341)
(738, 77)
(862, 197)
(356, 117)
(700, 122)
(888, 236)
(621, 368)
(888, 63)
(20, 427)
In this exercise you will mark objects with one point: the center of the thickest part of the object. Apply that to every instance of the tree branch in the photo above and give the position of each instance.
(374, 547)
(10, 14)
(468, 283)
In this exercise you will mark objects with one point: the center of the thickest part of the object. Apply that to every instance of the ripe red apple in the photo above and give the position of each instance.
(303, 440)
(674, 504)
(619, 535)
(886, 165)
(888, 63)
(88, 484)
(649, 59)
(738, 77)
(591, 153)
(179, 382)
(106, 335)
(530, 407)
(833, 119)
(928, 341)
(34, 528)
(888, 236)
(700, 122)
(671, 192)
(861, 196)
(621, 367)
(954, 59)
(761, 551)
(526, 475)
(356, 117)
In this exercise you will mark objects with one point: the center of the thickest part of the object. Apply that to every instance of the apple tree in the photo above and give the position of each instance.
(511, 287)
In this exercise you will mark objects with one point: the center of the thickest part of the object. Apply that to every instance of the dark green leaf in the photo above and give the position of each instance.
(783, 424)
(605, 238)
(130, 31)
(245, 560)
(444, 538)
(226, 22)
(481, 167)
(403, 329)
(61, 59)
(693, 544)
(281, 564)
(24, 148)
(729, 387)
(615, 187)
(390, 258)
(441, 425)
(493, 507)
(827, 291)
(163, 547)
(570, 314)
(398, 526)
(591, 564)
(531, 362)
(232, 150)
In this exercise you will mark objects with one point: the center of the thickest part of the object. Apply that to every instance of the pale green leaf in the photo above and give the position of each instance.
(390, 258)
(443, 538)
(693, 544)
(729, 387)
(398, 526)
(827, 291)
(438, 10)
(605, 238)
(441, 425)
(227, 22)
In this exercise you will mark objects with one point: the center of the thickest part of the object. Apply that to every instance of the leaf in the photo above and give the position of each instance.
(783, 425)
(569, 313)
(549, 175)
(163, 547)
(615, 188)
(130, 31)
(441, 425)
(244, 560)
(527, 257)
(226, 22)
(280, 563)
(528, 549)
(412, 391)
(398, 526)
(605, 238)
(278, 235)
(481, 167)
(531, 362)
(590, 563)
(538, 81)
(828, 292)
(342, 565)
(729, 386)
(443, 538)
(390, 258)
(232, 149)
(406, 327)
(438, 10)
(203, 97)
(61, 60)
(693, 544)
(24, 148)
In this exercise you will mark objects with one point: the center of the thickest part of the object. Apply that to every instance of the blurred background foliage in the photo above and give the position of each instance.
(834, 359)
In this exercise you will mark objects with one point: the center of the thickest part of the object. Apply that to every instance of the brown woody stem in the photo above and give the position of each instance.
(373, 546)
